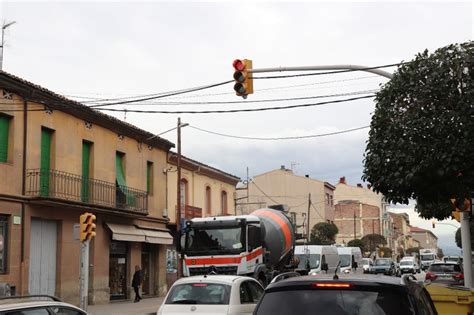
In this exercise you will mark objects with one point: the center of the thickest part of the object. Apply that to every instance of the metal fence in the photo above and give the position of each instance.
(67, 186)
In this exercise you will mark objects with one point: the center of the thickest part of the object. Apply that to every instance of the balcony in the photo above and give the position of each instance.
(72, 187)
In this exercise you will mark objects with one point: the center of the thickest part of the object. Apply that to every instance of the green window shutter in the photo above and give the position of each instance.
(149, 172)
(45, 162)
(120, 175)
(86, 151)
(4, 128)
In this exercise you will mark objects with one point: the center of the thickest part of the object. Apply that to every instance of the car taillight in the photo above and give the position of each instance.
(333, 285)
(459, 276)
(430, 276)
(199, 284)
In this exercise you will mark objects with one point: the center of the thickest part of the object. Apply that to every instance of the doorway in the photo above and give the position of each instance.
(118, 270)
(147, 269)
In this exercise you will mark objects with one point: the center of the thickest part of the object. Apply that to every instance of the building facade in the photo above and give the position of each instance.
(309, 200)
(350, 214)
(401, 236)
(425, 238)
(58, 159)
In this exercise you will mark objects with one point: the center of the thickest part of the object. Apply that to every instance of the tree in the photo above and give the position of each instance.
(356, 243)
(323, 234)
(419, 144)
(385, 252)
(457, 236)
(409, 251)
(372, 241)
(440, 253)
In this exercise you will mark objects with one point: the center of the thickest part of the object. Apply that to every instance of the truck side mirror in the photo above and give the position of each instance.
(354, 265)
(324, 267)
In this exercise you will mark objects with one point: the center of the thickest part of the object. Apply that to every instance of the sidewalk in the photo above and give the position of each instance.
(146, 306)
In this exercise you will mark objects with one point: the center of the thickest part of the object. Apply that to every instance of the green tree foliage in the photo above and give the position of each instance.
(356, 243)
(323, 234)
(409, 251)
(420, 141)
(457, 236)
(372, 241)
(385, 252)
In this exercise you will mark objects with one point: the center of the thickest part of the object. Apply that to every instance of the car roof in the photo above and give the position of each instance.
(445, 263)
(225, 279)
(6, 306)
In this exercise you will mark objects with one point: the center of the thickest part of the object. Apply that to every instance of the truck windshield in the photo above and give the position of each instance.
(216, 241)
(382, 262)
(311, 260)
(427, 257)
(345, 260)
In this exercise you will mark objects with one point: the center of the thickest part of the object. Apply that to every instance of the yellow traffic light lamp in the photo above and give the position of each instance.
(243, 78)
(461, 204)
(87, 226)
(456, 215)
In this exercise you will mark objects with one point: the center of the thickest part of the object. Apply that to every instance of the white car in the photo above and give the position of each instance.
(37, 305)
(212, 294)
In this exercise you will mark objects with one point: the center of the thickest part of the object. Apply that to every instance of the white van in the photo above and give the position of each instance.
(319, 258)
(351, 259)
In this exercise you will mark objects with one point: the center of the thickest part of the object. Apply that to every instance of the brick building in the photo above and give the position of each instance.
(366, 219)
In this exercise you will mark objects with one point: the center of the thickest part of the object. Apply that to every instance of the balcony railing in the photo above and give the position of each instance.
(67, 186)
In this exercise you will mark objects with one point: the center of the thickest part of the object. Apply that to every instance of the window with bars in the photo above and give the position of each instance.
(149, 177)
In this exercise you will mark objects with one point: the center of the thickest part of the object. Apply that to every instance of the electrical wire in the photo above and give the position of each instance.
(252, 101)
(235, 110)
(280, 138)
(276, 202)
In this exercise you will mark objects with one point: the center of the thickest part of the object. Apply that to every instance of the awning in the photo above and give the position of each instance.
(130, 233)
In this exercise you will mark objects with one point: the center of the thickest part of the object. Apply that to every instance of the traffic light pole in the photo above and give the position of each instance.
(84, 275)
(377, 71)
(466, 249)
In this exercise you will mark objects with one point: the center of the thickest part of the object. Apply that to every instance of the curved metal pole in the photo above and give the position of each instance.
(382, 73)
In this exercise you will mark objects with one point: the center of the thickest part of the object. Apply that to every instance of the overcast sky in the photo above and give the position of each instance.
(92, 49)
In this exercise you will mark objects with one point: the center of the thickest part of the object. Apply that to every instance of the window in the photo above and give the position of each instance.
(65, 311)
(199, 293)
(3, 243)
(331, 198)
(250, 292)
(224, 202)
(208, 200)
(86, 158)
(45, 163)
(184, 193)
(149, 177)
(4, 135)
(121, 197)
(31, 311)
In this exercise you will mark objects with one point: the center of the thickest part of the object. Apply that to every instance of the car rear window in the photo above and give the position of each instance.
(406, 263)
(199, 293)
(334, 302)
(445, 268)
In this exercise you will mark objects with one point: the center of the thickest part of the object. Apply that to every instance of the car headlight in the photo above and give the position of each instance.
(314, 273)
(347, 271)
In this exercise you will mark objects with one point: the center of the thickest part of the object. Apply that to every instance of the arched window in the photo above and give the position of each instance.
(208, 207)
(184, 193)
(224, 202)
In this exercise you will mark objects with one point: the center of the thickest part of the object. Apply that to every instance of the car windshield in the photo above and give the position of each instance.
(345, 260)
(365, 262)
(382, 262)
(427, 257)
(334, 302)
(217, 241)
(406, 263)
(444, 268)
(199, 293)
(312, 259)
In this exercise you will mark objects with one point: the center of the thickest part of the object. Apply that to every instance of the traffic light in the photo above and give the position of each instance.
(243, 78)
(456, 215)
(461, 204)
(87, 226)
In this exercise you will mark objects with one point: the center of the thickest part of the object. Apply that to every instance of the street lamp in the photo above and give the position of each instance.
(3, 31)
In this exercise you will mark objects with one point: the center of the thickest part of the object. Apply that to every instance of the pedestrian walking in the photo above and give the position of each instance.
(137, 282)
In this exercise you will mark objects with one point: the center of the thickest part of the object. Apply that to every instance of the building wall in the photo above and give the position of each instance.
(426, 239)
(197, 184)
(367, 220)
(282, 186)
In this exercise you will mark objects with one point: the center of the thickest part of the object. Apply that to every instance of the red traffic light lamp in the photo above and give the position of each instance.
(461, 204)
(243, 78)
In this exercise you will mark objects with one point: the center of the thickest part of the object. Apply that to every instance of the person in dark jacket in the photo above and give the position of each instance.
(137, 282)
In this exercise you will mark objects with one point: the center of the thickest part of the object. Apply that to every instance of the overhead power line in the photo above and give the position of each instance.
(280, 138)
(235, 110)
(250, 101)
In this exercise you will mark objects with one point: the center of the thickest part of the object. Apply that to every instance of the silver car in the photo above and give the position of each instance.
(37, 305)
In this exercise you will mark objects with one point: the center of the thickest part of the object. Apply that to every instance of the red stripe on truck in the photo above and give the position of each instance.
(281, 223)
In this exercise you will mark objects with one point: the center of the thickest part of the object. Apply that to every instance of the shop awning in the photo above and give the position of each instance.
(131, 233)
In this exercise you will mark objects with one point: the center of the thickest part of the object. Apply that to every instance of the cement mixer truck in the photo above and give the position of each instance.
(259, 245)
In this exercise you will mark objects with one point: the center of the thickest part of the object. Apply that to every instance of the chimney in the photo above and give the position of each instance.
(359, 185)
(307, 176)
(369, 186)
(342, 180)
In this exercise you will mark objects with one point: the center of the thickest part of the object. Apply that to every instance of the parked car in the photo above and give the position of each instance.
(457, 259)
(37, 305)
(212, 294)
(285, 275)
(445, 272)
(385, 266)
(349, 294)
(368, 265)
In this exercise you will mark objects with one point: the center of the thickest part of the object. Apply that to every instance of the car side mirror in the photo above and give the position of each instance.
(324, 267)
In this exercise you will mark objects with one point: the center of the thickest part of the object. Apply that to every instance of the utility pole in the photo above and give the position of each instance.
(354, 224)
(4, 26)
(84, 275)
(466, 249)
(178, 198)
(309, 216)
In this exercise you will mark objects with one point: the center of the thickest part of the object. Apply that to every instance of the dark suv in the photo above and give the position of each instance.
(365, 295)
